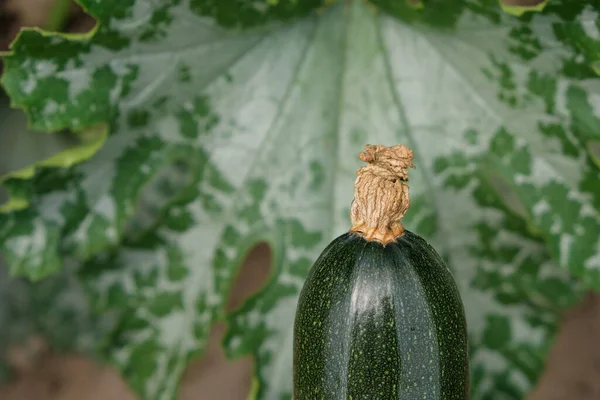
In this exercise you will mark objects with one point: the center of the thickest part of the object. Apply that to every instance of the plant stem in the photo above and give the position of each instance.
(381, 193)
(59, 12)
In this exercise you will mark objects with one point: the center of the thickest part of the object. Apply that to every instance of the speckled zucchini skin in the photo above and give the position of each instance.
(380, 322)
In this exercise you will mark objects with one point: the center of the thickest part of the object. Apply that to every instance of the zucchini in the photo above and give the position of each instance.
(380, 315)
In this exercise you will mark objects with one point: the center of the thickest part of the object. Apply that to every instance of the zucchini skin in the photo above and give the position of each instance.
(382, 322)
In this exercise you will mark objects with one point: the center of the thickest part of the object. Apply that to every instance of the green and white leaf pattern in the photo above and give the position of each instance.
(230, 128)
(54, 308)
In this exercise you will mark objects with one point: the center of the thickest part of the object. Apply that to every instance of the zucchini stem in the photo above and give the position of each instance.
(381, 193)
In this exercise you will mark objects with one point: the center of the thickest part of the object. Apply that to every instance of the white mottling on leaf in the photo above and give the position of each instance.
(541, 207)
(252, 109)
(593, 95)
(243, 228)
(112, 234)
(279, 322)
(566, 242)
(45, 69)
(560, 98)
(29, 85)
(253, 319)
(556, 227)
(55, 204)
(79, 81)
(235, 342)
(588, 210)
(173, 329)
(293, 253)
(214, 299)
(520, 379)
(39, 236)
(106, 207)
(139, 15)
(589, 21)
(594, 261)
(542, 172)
(287, 279)
(54, 40)
(168, 128)
(230, 252)
(122, 355)
(50, 107)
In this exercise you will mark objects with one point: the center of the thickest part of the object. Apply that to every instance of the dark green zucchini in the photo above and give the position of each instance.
(380, 316)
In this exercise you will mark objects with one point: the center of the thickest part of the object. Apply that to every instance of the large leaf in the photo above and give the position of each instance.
(54, 307)
(222, 138)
